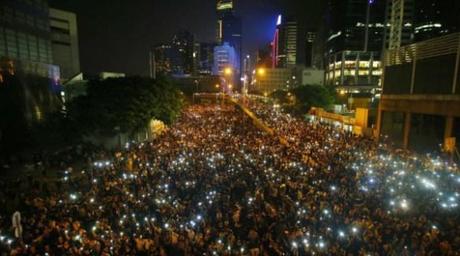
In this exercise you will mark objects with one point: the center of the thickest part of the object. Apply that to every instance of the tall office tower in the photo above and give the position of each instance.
(232, 33)
(182, 60)
(435, 18)
(25, 40)
(229, 28)
(411, 21)
(354, 43)
(264, 56)
(224, 7)
(349, 21)
(160, 60)
(285, 43)
(225, 57)
(206, 58)
(64, 42)
(309, 43)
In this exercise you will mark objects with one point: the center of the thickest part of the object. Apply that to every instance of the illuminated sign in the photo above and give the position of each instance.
(278, 22)
(221, 5)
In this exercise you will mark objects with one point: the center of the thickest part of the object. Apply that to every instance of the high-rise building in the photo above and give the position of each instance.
(399, 25)
(355, 25)
(232, 33)
(309, 49)
(268, 80)
(354, 44)
(206, 58)
(225, 57)
(64, 42)
(229, 28)
(435, 18)
(411, 21)
(285, 43)
(182, 61)
(264, 56)
(223, 8)
(25, 39)
(160, 60)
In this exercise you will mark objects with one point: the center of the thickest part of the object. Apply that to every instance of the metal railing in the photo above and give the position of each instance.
(439, 46)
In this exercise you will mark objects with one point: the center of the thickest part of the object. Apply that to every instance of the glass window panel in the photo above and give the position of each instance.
(23, 48)
(11, 43)
(33, 47)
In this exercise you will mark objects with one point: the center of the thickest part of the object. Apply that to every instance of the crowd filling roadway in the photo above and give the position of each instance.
(213, 184)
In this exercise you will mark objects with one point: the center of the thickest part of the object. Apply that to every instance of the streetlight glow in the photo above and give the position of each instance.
(228, 71)
(261, 71)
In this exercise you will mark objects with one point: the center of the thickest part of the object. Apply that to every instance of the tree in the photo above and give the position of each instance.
(125, 105)
(300, 99)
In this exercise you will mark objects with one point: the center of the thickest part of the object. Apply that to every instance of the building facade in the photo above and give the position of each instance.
(354, 44)
(229, 29)
(435, 18)
(177, 58)
(311, 76)
(64, 42)
(182, 60)
(225, 57)
(160, 60)
(25, 38)
(206, 58)
(223, 8)
(310, 39)
(354, 70)
(284, 46)
(420, 104)
(268, 80)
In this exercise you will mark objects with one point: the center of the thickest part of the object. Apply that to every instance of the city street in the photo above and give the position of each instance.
(216, 185)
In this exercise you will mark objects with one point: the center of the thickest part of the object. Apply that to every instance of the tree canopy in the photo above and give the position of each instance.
(299, 100)
(124, 105)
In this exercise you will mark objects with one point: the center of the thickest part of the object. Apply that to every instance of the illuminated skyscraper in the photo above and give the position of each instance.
(285, 43)
(354, 44)
(224, 8)
(229, 28)
(225, 57)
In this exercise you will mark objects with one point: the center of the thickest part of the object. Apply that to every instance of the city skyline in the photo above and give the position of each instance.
(121, 46)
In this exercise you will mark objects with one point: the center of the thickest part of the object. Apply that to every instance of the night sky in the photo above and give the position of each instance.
(115, 35)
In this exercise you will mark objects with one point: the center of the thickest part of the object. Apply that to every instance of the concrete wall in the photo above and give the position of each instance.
(312, 77)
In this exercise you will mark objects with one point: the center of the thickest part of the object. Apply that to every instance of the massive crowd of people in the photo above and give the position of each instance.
(214, 184)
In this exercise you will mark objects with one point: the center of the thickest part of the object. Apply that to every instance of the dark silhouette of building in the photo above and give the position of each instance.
(435, 18)
(420, 104)
(354, 44)
(176, 58)
(182, 53)
(206, 58)
(25, 37)
(310, 39)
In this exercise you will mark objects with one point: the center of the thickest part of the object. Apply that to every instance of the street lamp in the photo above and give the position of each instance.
(228, 71)
(261, 71)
